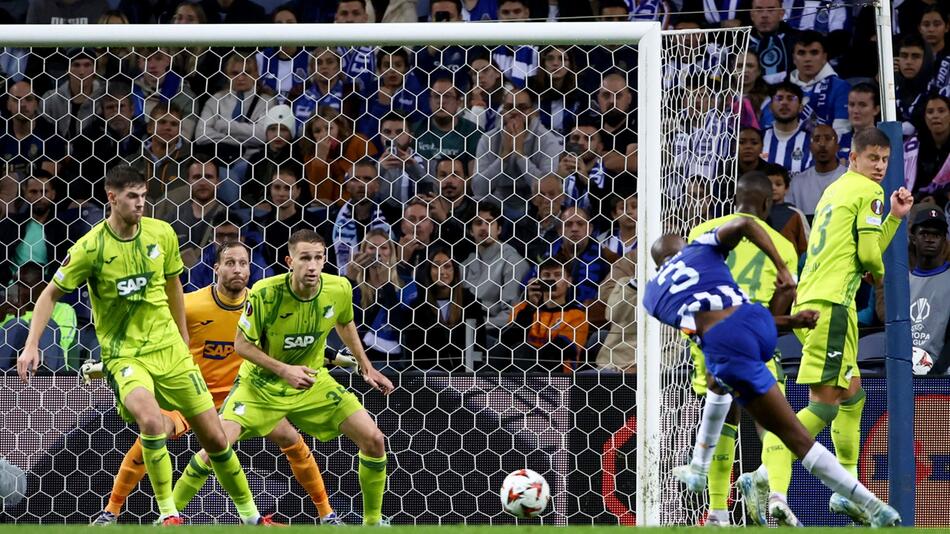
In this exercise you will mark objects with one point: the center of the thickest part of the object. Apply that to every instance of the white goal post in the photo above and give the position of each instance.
(652, 132)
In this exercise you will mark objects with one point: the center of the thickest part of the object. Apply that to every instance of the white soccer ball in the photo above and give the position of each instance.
(525, 494)
(922, 361)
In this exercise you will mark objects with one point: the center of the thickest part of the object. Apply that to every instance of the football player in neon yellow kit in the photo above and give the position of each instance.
(131, 264)
(847, 240)
(756, 275)
(282, 336)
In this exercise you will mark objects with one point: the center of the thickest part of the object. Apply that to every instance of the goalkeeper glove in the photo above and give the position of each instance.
(91, 370)
(340, 358)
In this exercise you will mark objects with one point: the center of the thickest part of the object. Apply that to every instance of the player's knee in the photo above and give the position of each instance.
(215, 441)
(374, 443)
(151, 424)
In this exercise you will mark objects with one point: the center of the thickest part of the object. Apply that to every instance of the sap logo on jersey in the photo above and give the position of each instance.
(298, 341)
(132, 285)
(218, 350)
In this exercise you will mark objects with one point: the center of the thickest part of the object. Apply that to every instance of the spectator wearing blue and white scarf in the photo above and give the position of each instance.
(158, 83)
(283, 70)
(328, 87)
(360, 214)
(819, 15)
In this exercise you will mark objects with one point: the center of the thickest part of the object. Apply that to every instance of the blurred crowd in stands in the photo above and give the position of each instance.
(481, 200)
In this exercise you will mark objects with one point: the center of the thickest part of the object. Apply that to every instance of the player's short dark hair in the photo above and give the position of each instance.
(788, 87)
(808, 37)
(122, 176)
(754, 184)
(868, 88)
(774, 169)
(228, 245)
(555, 263)
(869, 137)
(305, 236)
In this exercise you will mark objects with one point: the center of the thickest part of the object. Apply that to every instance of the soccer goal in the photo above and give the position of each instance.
(604, 440)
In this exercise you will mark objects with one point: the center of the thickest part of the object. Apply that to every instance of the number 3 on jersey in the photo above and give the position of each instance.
(821, 222)
(683, 277)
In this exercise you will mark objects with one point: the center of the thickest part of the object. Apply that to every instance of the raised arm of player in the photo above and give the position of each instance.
(871, 247)
(351, 338)
(29, 359)
(731, 233)
(297, 376)
(176, 304)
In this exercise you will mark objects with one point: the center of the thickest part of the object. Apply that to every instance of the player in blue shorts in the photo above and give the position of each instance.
(694, 291)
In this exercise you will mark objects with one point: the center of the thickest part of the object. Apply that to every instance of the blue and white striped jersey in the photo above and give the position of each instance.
(694, 280)
(793, 153)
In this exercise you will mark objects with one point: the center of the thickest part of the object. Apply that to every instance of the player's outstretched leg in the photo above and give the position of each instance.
(227, 469)
(720, 470)
(773, 412)
(361, 428)
(305, 469)
(846, 436)
(132, 470)
(141, 404)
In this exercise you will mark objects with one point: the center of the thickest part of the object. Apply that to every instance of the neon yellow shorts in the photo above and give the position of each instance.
(698, 379)
(318, 411)
(830, 351)
(170, 374)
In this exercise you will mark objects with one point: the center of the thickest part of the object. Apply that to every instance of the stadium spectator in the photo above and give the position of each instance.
(805, 190)
(493, 271)
(9, 194)
(618, 128)
(750, 151)
(699, 201)
(772, 39)
(603, 58)
(280, 215)
(233, 12)
(825, 94)
(930, 287)
(280, 149)
(191, 210)
(58, 341)
(534, 241)
(701, 144)
(358, 215)
(548, 330)
(330, 148)
(479, 10)
(359, 62)
(864, 109)
(786, 218)
(517, 63)
(515, 155)
(328, 87)
(381, 302)
(226, 229)
(163, 153)
(396, 90)
(65, 11)
(38, 232)
(932, 156)
(436, 338)
(444, 133)
(933, 28)
(401, 170)
(26, 139)
(590, 264)
(159, 84)
(284, 68)
(431, 60)
(70, 105)
(560, 100)
(622, 239)
(815, 16)
(754, 91)
(415, 233)
(451, 207)
(911, 76)
(787, 140)
(581, 167)
(484, 98)
(618, 351)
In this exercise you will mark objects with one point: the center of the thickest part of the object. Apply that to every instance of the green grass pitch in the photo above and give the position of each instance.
(226, 529)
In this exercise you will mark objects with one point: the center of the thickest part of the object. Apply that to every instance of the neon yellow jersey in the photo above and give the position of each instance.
(753, 270)
(126, 280)
(853, 204)
(289, 329)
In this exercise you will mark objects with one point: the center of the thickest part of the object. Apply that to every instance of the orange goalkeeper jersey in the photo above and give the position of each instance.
(212, 324)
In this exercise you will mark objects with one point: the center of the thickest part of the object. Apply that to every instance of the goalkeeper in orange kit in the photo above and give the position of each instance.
(212, 314)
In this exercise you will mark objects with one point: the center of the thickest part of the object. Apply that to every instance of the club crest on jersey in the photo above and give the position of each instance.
(298, 341)
(152, 251)
(877, 207)
(132, 285)
(239, 408)
(328, 312)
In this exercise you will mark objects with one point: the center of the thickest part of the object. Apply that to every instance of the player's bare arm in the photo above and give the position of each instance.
(176, 304)
(29, 359)
(731, 233)
(298, 376)
(371, 376)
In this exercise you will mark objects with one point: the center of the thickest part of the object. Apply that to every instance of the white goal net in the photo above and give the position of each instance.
(445, 178)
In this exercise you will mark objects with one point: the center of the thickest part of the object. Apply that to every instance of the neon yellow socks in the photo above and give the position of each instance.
(372, 485)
